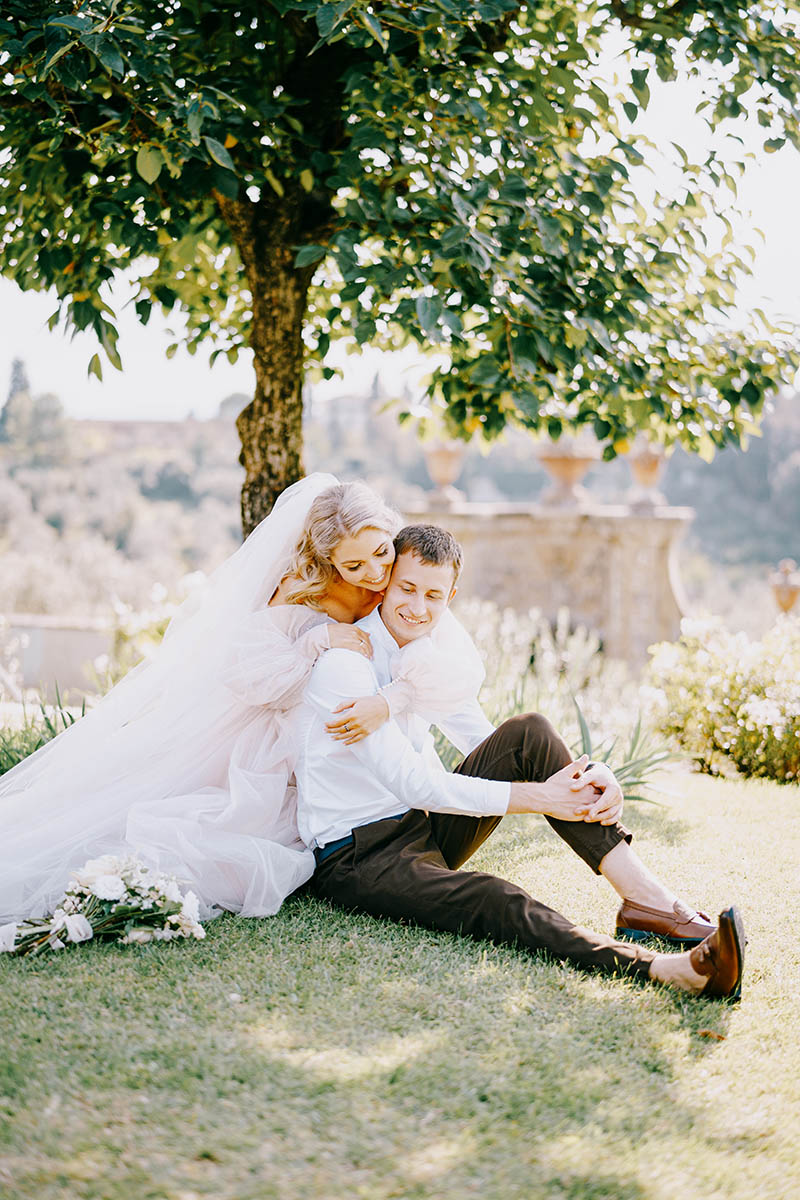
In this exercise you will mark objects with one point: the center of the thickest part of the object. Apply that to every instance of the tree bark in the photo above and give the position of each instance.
(270, 427)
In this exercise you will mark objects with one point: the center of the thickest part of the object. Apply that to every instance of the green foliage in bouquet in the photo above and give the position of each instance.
(730, 701)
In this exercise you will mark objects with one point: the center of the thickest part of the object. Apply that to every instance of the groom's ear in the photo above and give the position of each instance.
(452, 595)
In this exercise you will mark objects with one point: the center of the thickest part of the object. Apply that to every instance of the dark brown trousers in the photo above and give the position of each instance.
(407, 869)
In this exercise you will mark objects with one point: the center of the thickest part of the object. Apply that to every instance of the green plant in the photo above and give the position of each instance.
(634, 764)
(136, 634)
(728, 700)
(558, 668)
(19, 741)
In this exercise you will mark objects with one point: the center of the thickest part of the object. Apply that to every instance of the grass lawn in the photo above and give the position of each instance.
(319, 1055)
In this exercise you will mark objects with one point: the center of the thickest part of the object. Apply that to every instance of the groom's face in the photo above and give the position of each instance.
(417, 596)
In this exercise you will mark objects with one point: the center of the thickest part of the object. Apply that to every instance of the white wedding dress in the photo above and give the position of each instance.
(188, 761)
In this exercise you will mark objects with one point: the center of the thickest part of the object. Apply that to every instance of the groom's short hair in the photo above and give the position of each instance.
(431, 544)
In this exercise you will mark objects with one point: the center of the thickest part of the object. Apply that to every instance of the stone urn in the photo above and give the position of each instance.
(647, 464)
(566, 462)
(785, 583)
(444, 461)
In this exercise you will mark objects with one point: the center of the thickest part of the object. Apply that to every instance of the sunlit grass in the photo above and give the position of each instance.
(316, 1054)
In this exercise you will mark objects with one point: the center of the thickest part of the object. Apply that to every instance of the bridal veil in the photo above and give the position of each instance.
(172, 763)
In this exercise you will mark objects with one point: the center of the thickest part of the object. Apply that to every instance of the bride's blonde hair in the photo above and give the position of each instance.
(338, 512)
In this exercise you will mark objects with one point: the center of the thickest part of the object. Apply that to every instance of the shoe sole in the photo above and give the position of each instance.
(735, 918)
(647, 935)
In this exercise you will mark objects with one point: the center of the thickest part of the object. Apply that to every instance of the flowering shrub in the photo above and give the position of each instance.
(533, 665)
(728, 699)
(113, 899)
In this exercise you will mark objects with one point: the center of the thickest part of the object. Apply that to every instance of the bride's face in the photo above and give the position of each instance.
(365, 559)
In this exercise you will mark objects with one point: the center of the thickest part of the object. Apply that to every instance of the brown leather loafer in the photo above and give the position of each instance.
(679, 926)
(721, 957)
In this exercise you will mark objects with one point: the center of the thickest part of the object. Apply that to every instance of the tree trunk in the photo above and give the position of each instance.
(270, 427)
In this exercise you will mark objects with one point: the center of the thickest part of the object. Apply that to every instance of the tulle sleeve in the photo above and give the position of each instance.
(273, 653)
(436, 676)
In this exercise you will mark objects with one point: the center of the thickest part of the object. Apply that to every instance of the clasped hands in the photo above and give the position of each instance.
(584, 791)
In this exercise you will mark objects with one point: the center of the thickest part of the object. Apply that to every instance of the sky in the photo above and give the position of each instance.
(153, 387)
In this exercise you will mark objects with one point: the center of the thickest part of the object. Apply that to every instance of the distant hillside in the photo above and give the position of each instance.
(94, 512)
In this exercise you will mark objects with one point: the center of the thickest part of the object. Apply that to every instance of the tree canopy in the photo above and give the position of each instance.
(465, 175)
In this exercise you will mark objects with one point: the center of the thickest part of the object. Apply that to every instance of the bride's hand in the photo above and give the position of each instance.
(359, 719)
(347, 637)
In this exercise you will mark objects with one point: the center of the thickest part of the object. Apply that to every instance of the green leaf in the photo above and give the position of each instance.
(307, 255)
(306, 180)
(111, 60)
(274, 183)
(95, 367)
(149, 162)
(219, 154)
(374, 27)
(428, 311)
(631, 110)
(586, 737)
(70, 21)
(639, 81)
(575, 337)
(55, 57)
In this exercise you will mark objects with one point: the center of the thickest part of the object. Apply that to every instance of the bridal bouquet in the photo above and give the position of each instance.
(115, 899)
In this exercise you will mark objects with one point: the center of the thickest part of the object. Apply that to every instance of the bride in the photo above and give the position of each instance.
(188, 761)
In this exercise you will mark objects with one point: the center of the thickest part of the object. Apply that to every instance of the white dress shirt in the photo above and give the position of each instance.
(396, 768)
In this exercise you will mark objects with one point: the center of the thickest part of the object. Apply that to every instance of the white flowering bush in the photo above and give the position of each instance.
(138, 632)
(112, 899)
(729, 699)
(559, 669)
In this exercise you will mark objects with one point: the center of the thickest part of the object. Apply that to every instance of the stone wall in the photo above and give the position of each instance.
(58, 651)
(614, 567)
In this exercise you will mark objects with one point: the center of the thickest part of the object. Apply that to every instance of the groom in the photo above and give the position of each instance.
(390, 828)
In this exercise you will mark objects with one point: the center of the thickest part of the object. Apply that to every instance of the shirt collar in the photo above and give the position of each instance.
(374, 626)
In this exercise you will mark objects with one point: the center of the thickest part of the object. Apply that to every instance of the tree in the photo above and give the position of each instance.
(16, 413)
(460, 174)
(19, 379)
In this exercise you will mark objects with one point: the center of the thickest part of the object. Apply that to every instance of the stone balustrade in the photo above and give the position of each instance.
(613, 566)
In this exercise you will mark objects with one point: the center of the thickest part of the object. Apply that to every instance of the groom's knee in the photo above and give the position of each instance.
(534, 736)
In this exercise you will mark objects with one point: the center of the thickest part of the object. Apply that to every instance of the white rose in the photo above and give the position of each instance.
(190, 908)
(172, 891)
(108, 887)
(78, 928)
(86, 875)
(8, 936)
(137, 937)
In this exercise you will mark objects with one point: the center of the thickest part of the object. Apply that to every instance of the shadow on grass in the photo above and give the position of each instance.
(320, 1054)
(355, 1058)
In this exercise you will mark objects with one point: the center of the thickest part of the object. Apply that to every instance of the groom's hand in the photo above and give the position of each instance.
(606, 807)
(556, 796)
